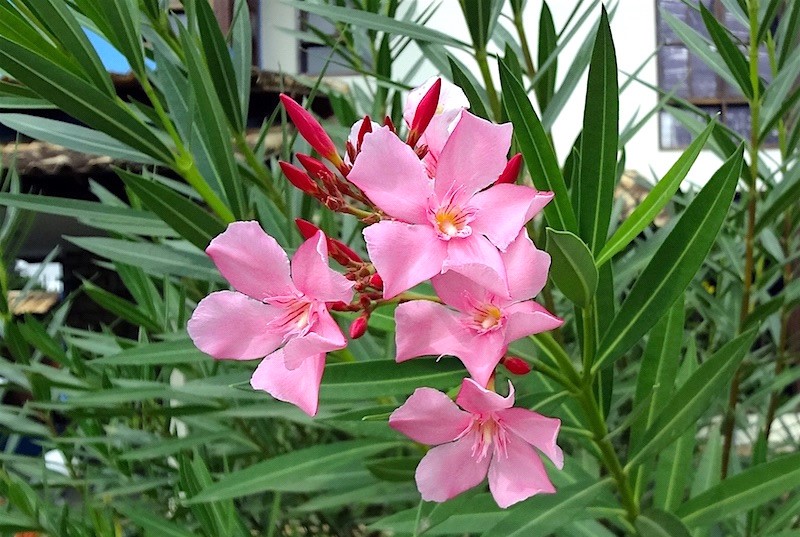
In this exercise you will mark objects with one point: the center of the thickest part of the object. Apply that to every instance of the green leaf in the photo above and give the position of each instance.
(572, 267)
(219, 63)
(731, 55)
(164, 353)
(374, 21)
(479, 15)
(73, 137)
(153, 524)
(381, 378)
(124, 21)
(79, 98)
(214, 127)
(656, 378)
(156, 259)
(656, 200)
(692, 399)
(658, 523)
(61, 22)
(537, 151)
(242, 53)
(541, 515)
(192, 222)
(120, 307)
(279, 472)
(545, 87)
(599, 142)
(395, 469)
(735, 495)
(474, 96)
(674, 264)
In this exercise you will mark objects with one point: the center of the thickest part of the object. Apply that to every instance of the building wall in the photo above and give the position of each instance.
(634, 31)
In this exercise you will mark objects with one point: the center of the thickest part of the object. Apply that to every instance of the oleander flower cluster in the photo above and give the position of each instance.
(441, 205)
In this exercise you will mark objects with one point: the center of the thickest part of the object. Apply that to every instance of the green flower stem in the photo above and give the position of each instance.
(184, 161)
(589, 344)
(551, 348)
(523, 40)
(749, 240)
(597, 426)
(483, 64)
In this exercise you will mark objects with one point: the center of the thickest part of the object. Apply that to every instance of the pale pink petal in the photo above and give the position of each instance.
(528, 318)
(325, 336)
(404, 254)
(477, 259)
(392, 176)
(474, 155)
(299, 386)
(452, 100)
(426, 328)
(476, 399)
(430, 417)
(458, 291)
(528, 266)
(252, 261)
(481, 353)
(517, 475)
(356, 129)
(314, 278)
(450, 469)
(227, 324)
(539, 431)
(502, 210)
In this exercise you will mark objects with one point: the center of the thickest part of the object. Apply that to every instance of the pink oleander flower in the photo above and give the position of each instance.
(271, 307)
(478, 325)
(485, 436)
(450, 223)
(452, 102)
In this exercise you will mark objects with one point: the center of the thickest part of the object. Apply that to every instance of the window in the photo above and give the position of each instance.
(315, 53)
(692, 79)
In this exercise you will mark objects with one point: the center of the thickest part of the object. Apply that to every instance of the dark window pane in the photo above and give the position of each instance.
(674, 64)
(733, 22)
(677, 9)
(737, 117)
(703, 80)
(673, 134)
(763, 65)
(696, 20)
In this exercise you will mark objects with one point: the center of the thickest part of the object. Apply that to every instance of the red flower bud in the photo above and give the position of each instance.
(317, 169)
(511, 173)
(424, 113)
(515, 365)
(310, 129)
(306, 228)
(376, 281)
(359, 326)
(339, 306)
(387, 122)
(299, 178)
(366, 127)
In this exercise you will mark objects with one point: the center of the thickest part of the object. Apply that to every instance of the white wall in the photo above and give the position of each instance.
(634, 31)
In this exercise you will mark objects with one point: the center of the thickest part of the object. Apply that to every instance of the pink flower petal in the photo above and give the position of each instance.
(452, 101)
(227, 324)
(450, 469)
(528, 265)
(404, 254)
(476, 399)
(456, 290)
(502, 210)
(481, 353)
(477, 259)
(425, 328)
(528, 318)
(518, 475)
(539, 431)
(474, 155)
(252, 261)
(392, 176)
(430, 417)
(313, 277)
(299, 386)
(324, 336)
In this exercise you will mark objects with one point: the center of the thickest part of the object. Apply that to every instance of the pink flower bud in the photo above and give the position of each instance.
(425, 112)
(515, 365)
(310, 129)
(511, 173)
(359, 327)
(299, 179)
